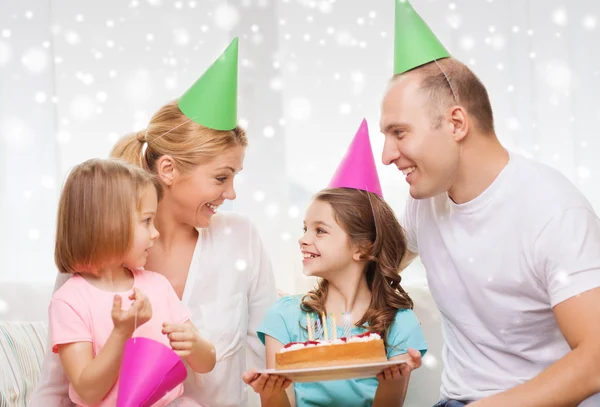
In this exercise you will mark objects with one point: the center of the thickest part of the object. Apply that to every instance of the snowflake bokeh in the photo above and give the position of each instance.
(75, 80)
(309, 72)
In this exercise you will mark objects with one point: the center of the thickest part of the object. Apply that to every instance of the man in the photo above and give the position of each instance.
(511, 248)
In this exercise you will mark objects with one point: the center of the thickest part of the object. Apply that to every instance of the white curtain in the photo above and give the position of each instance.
(74, 76)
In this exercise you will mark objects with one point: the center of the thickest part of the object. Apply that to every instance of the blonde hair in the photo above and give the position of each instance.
(449, 82)
(172, 133)
(96, 214)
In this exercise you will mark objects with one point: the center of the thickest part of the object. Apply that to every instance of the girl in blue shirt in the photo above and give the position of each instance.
(353, 242)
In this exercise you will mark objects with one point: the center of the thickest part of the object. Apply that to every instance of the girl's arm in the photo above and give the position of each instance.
(284, 398)
(203, 355)
(184, 338)
(93, 377)
(274, 390)
(393, 383)
(188, 344)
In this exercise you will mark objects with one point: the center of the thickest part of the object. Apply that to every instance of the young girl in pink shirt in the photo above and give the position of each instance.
(105, 228)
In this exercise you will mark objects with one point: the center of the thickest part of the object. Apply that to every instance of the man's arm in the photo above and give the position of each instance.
(573, 378)
(567, 258)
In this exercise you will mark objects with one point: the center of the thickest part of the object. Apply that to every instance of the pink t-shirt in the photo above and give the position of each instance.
(80, 312)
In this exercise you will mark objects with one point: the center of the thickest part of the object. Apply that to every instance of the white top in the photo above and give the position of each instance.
(229, 288)
(496, 266)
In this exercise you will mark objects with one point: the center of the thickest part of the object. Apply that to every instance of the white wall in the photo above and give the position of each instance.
(74, 76)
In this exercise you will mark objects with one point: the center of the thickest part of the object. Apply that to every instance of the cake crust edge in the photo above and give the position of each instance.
(332, 355)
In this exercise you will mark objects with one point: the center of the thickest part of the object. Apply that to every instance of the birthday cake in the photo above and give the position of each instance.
(359, 349)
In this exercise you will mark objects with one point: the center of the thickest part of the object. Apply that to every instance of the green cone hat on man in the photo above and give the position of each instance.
(414, 42)
(212, 100)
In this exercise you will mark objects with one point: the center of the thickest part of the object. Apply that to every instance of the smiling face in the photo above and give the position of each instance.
(144, 232)
(325, 246)
(197, 195)
(426, 116)
(195, 164)
(427, 155)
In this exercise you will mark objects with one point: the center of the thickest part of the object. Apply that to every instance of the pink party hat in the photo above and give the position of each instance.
(357, 169)
(149, 371)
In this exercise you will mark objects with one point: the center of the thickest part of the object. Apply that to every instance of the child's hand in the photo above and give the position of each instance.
(401, 371)
(138, 314)
(182, 338)
(394, 373)
(267, 385)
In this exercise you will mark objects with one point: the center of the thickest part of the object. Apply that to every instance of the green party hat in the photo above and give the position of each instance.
(212, 100)
(414, 42)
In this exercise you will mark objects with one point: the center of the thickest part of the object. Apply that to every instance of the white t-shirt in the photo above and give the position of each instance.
(229, 288)
(496, 266)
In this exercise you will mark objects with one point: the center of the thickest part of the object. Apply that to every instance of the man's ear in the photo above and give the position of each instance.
(459, 122)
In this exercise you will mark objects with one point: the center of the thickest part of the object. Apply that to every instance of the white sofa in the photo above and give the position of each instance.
(23, 314)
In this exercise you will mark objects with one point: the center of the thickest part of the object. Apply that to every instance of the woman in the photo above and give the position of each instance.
(215, 262)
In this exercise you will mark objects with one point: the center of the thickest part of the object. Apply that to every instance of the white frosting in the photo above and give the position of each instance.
(293, 347)
(371, 337)
(297, 346)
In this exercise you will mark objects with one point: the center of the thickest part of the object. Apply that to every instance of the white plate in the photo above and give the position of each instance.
(321, 374)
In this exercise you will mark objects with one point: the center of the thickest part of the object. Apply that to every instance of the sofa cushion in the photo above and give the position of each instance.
(22, 349)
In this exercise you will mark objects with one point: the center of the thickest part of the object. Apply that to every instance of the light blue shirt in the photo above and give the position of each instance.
(286, 322)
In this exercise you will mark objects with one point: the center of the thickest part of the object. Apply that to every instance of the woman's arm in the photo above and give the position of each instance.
(262, 293)
(393, 383)
(52, 388)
